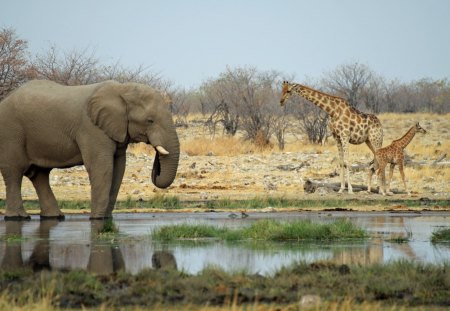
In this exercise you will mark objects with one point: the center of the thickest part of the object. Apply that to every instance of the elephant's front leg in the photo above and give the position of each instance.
(100, 173)
(118, 171)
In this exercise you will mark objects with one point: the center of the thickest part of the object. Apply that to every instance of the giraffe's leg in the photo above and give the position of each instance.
(381, 178)
(402, 173)
(372, 168)
(391, 172)
(369, 181)
(347, 166)
(341, 164)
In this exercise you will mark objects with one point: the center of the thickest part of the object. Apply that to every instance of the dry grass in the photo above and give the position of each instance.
(219, 146)
(196, 141)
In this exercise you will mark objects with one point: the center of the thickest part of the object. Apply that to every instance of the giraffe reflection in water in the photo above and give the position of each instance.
(374, 252)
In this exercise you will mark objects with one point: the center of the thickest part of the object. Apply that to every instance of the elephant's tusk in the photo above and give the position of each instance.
(161, 150)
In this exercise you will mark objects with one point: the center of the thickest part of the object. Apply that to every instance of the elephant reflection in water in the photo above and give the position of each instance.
(104, 257)
(163, 260)
(39, 259)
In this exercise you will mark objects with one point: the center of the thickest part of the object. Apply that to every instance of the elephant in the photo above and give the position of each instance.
(45, 125)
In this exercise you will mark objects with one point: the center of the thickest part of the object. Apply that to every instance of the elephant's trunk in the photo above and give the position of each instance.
(165, 166)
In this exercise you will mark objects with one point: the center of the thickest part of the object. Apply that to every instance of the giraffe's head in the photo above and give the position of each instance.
(420, 129)
(285, 92)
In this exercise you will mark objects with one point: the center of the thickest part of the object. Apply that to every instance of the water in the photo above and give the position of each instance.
(70, 245)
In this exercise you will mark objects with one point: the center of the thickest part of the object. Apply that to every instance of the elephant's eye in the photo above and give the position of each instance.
(150, 121)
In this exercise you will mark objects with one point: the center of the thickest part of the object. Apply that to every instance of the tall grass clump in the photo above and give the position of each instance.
(441, 235)
(265, 230)
(272, 230)
(187, 231)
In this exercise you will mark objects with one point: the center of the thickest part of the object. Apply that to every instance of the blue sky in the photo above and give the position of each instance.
(188, 42)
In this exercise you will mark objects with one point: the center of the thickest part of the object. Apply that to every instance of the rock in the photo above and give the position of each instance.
(322, 191)
(309, 301)
(270, 186)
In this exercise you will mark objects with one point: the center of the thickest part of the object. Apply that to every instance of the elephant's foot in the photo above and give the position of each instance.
(17, 214)
(57, 217)
(17, 217)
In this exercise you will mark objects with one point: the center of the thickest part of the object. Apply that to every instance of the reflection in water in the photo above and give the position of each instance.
(164, 260)
(104, 258)
(373, 253)
(39, 259)
(77, 244)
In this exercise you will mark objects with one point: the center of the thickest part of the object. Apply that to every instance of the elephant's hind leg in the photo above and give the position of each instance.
(14, 204)
(49, 206)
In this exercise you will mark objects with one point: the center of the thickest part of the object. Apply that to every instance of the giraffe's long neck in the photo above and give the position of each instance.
(406, 139)
(332, 105)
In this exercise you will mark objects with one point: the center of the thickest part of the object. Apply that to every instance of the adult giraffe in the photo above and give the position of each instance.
(347, 124)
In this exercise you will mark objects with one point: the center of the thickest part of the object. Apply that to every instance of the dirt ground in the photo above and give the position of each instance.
(273, 172)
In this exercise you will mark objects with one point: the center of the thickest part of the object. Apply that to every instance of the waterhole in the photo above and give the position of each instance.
(78, 243)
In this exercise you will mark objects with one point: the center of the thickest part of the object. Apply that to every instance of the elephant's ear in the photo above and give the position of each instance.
(108, 110)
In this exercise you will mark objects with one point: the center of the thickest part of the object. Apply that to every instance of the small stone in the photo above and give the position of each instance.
(309, 301)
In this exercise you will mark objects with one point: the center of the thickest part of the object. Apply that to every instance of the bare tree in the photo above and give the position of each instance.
(14, 65)
(68, 68)
(140, 74)
(373, 94)
(312, 120)
(280, 125)
(180, 106)
(222, 107)
(348, 81)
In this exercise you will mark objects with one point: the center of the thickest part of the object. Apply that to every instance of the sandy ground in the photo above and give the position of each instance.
(274, 172)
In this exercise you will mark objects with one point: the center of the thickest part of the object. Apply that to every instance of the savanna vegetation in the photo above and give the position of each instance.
(394, 286)
(237, 113)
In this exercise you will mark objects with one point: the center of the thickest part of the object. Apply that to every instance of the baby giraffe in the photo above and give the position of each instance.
(393, 154)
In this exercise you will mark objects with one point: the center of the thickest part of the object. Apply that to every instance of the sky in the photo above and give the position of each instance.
(190, 41)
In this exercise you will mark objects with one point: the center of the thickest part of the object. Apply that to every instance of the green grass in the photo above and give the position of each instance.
(168, 202)
(340, 203)
(265, 230)
(13, 238)
(441, 235)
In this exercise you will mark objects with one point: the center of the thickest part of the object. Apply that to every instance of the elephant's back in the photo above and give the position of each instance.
(39, 91)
